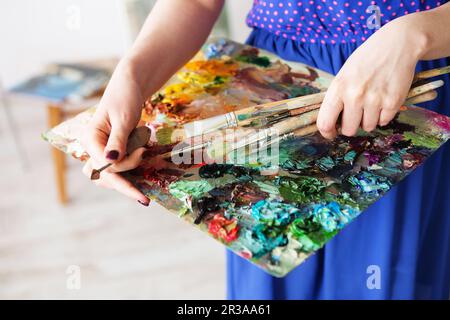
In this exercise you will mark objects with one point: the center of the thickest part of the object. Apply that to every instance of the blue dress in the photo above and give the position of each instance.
(404, 238)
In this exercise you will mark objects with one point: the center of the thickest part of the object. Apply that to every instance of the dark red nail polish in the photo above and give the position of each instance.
(112, 155)
(143, 203)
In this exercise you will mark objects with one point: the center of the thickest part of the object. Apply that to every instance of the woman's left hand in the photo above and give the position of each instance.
(374, 82)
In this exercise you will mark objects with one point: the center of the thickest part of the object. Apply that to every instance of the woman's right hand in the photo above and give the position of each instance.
(106, 137)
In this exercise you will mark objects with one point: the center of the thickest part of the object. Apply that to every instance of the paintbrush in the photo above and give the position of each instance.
(304, 123)
(138, 138)
(248, 116)
(431, 73)
(424, 97)
(243, 138)
(302, 120)
(234, 119)
(423, 93)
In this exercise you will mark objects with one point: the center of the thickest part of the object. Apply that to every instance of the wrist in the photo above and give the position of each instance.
(129, 68)
(416, 34)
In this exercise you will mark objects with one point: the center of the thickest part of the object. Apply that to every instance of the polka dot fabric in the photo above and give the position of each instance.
(328, 21)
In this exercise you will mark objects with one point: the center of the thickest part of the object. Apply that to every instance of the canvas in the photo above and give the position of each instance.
(277, 207)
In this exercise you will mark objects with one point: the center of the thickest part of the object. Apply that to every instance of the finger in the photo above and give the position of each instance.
(125, 187)
(87, 170)
(371, 116)
(351, 119)
(386, 115)
(116, 146)
(94, 142)
(328, 115)
(129, 162)
(117, 182)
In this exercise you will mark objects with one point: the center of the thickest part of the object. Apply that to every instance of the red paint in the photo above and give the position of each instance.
(222, 228)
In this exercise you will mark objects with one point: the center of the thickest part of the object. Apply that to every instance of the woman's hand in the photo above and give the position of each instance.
(158, 52)
(374, 82)
(106, 137)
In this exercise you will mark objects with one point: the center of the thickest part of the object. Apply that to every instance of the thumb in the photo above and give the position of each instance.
(116, 146)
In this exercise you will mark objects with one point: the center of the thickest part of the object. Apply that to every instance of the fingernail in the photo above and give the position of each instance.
(112, 155)
(145, 204)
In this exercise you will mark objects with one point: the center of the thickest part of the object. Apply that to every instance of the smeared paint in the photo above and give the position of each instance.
(302, 189)
(411, 161)
(252, 56)
(332, 216)
(162, 177)
(295, 165)
(216, 170)
(246, 194)
(369, 183)
(223, 229)
(274, 213)
(267, 238)
(442, 122)
(205, 206)
(219, 48)
(310, 234)
(423, 140)
(189, 188)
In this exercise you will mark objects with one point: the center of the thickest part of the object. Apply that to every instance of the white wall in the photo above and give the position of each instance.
(35, 32)
(237, 12)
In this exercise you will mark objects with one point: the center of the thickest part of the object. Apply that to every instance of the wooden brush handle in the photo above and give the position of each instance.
(424, 97)
(295, 106)
(299, 111)
(431, 73)
(305, 130)
(287, 104)
(296, 122)
(418, 94)
(424, 88)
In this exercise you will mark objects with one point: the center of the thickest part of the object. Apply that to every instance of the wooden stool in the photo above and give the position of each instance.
(57, 113)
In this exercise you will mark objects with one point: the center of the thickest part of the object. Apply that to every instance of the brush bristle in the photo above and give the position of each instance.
(170, 135)
(164, 135)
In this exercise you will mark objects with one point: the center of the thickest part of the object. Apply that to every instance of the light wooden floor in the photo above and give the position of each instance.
(124, 250)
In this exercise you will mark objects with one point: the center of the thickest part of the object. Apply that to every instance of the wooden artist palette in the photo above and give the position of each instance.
(277, 209)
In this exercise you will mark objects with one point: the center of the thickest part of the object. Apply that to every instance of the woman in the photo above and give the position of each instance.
(400, 247)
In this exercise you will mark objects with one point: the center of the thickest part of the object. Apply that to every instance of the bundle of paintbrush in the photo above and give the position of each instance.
(269, 113)
(278, 119)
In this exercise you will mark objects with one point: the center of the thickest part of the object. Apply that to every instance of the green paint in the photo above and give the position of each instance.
(274, 213)
(325, 163)
(343, 198)
(267, 187)
(350, 156)
(217, 82)
(302, 189)
(295, 165)
(245, 116)
(182, 189)
(310, 234)
(259, 61)
(422, 140)
(296, 91)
